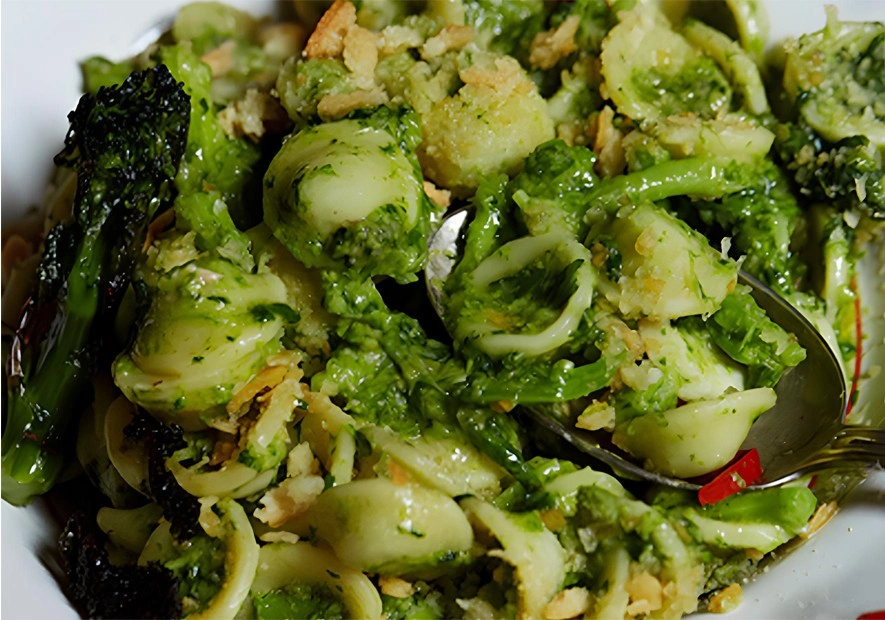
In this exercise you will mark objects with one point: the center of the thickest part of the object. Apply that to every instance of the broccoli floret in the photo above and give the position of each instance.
(100, 589)
(125, 144)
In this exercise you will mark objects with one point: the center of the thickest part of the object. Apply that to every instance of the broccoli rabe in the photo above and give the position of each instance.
(522, 356)
(761, 520)
(746, 334)
(848, 173)
(505, 26)
(550, 191)
(764, 222)
(125, 144)
(835, 137)
(213, 160)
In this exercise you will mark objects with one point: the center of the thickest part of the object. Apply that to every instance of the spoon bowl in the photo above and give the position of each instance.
(804, 432)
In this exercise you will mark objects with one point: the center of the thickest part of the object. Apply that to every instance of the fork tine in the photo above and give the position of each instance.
(860, 434)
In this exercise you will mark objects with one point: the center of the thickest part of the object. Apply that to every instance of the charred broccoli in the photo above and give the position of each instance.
(125, 143)
(101, 589)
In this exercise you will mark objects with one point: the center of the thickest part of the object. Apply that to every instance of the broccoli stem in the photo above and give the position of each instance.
(692, 176)
(125, 143)
(41, 411)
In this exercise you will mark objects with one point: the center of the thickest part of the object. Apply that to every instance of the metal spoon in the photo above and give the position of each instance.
(803, 433)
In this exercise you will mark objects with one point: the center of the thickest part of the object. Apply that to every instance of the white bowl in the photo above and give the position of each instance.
(838, 574)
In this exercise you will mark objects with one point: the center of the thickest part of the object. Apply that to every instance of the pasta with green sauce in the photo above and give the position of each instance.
(272, 418)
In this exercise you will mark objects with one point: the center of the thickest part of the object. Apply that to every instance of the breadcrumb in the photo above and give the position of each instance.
(549, 47)
(598, 415)
(327, 40)
(452, 37)
(504, 76)
(220, 59)
(397, 38)
(821, 516)
(254, 115)
(395, 587)
(266, 379)
(442, 198)
(338, 105)
(568, 603)
(608, 145)
(283, 40)
(646, 594)
(726, 599)
(288, 500)
(361, 55)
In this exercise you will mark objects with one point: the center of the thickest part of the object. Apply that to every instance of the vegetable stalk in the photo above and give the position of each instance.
(125, 144)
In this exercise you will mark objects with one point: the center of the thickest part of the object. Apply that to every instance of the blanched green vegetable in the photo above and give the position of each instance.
(761, 520)
(213, 160)
(743, 330)
(551, 189)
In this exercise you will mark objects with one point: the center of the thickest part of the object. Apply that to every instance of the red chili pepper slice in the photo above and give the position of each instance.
(735, 478)
(873, 615)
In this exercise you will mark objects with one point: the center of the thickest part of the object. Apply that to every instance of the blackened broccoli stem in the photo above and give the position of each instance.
(181, 509)
(125, 144)
(101, 589)
(692, 176)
